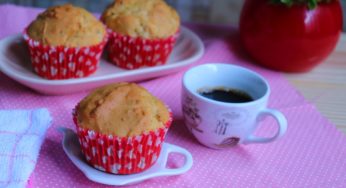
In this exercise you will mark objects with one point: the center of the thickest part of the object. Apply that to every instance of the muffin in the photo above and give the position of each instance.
(65, 42)
(121, 128)
(142, 33)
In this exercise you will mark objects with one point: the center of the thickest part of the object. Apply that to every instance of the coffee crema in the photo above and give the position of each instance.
(229, 95)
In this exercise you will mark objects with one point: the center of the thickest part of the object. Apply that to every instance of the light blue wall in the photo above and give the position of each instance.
(343, 2)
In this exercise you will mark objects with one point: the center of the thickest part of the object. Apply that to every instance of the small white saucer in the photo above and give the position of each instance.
(72, 149)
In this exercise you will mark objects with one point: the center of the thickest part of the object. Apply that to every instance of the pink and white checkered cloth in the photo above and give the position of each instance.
(21, 135)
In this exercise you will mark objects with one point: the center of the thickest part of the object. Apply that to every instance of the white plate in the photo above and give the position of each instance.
(15, 63)
(72, 149)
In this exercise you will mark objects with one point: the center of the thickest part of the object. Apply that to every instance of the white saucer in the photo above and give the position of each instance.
(72, 149)
(15, 63)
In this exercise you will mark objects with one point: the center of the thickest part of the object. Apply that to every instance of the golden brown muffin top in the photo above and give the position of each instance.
(150, 19)
(122, 109)
(67, 25)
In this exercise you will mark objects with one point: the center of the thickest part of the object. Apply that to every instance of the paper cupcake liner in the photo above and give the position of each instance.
(133, 53)
(121, 155)
(59, 62)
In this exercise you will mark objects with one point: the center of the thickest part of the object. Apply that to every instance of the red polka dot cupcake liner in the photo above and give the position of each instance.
(59, 62)
(121, 155)
(133, 53)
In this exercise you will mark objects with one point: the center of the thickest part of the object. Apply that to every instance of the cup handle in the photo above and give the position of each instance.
(282, 127)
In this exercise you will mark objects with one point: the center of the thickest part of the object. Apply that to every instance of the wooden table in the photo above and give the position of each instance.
(325, 86)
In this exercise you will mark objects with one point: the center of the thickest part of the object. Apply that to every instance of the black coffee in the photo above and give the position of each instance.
(227, 95)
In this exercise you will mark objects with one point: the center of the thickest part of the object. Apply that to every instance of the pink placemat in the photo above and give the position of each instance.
(311, 154)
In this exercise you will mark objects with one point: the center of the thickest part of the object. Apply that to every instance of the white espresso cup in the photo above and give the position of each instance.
(222, 124)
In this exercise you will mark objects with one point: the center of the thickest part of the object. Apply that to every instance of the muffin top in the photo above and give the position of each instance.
(67, 25)
(122, 109)
(150, 19)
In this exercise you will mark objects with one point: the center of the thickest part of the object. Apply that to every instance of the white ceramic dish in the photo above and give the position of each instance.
(72, 149)
(15, 63)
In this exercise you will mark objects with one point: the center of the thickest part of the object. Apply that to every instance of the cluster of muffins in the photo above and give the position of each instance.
(67, 41)
(121, 128)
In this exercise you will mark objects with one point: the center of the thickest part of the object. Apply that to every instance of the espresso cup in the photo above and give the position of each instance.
(219, 124)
